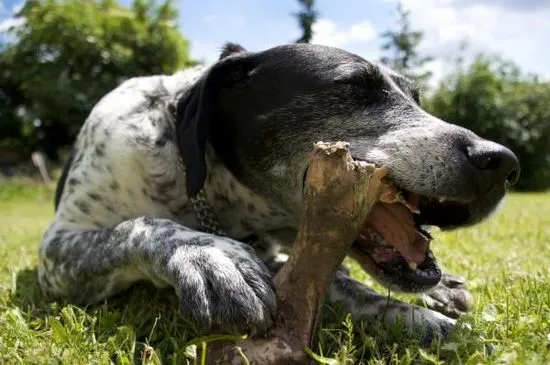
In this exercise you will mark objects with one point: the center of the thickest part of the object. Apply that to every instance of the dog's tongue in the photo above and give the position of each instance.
(394, 222)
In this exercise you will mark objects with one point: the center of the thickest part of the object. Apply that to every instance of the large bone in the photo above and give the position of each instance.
(338, 194)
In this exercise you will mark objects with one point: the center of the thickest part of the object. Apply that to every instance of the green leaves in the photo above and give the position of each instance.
(306, 18)
(401, 49)
(494, 99)
(69, 53)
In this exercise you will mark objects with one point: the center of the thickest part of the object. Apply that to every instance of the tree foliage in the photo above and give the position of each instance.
(494, 99)
(69, 53)
(306, 18)
(401, 48)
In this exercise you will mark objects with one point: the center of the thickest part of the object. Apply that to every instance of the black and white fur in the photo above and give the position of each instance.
(238, 134)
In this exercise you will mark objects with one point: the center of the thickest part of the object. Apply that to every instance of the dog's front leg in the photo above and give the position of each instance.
(364, 304)
(220, 282)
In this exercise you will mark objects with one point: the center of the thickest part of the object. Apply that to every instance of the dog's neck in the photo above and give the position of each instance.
(227, 206)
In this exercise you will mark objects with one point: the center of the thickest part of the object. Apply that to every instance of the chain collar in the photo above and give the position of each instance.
(208, 222)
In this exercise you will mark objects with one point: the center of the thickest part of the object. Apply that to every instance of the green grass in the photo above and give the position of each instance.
(506, 260)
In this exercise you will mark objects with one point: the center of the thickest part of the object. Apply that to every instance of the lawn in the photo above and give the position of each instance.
(506, 260)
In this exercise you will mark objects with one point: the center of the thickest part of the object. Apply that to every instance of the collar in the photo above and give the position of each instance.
(207, 219)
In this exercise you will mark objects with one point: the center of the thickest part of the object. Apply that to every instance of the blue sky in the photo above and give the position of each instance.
(519, 30)
(259, 24)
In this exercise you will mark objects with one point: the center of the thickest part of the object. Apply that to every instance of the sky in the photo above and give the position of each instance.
(518, 30)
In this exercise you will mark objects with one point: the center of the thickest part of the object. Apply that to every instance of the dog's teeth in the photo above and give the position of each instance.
(413, 266)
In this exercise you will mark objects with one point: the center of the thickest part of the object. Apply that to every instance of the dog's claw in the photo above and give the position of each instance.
(450, 297)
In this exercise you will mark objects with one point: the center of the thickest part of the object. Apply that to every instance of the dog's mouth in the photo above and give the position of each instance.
(394, 243)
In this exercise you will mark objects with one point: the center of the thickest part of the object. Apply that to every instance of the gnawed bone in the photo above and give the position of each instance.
(339, 193)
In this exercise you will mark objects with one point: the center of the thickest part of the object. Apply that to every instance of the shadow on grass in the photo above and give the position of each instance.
(149, 314)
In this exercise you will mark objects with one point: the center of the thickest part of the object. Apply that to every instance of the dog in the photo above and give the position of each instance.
(194, 181)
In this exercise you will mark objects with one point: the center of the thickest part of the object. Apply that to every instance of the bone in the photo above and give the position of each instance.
(390, 195)
(339, 193)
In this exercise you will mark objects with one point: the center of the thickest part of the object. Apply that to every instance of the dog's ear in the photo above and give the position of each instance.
(231, 49)
(198, 117)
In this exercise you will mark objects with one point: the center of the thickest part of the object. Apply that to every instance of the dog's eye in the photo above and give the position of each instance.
(361, 76)
(354, 78)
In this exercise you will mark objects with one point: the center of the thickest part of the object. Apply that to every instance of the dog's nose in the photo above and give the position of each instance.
(501, 166)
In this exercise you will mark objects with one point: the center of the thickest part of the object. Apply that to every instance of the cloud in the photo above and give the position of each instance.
(527, 5)
(487, 26)
(9, 23)
(329, 33)
(17, 7)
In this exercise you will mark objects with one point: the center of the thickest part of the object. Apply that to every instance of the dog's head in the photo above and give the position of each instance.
(262, 112)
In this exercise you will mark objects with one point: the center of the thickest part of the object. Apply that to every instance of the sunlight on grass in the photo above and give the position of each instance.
(505, 259)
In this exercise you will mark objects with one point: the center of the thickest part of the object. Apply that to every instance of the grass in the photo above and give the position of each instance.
(506, 260)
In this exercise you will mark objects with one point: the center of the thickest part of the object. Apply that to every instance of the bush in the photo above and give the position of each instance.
(67, 54)
(495, 100)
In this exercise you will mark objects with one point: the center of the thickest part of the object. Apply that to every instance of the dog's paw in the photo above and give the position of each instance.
(450, 297)
(226, 288)
(429, 325)
(422, 324)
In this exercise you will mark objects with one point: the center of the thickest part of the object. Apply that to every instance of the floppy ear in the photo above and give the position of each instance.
(198, 114)
(231, 49)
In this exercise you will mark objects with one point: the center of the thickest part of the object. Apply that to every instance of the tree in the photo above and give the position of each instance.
(67, 54)
(496, 100)
(306, 18)
(401, 45)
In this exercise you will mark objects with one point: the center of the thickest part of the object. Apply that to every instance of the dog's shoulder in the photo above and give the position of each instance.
(140, 107)
(125, 160)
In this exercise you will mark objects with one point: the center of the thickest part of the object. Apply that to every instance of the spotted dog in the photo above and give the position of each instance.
(194, 181)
